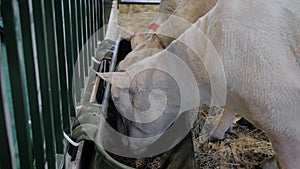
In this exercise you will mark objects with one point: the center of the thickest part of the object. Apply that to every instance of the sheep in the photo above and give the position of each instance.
(257, 42)
(189, 11)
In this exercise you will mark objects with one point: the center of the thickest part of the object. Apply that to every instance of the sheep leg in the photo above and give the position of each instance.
(225, 123)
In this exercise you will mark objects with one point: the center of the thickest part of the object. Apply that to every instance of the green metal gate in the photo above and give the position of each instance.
(41, 43)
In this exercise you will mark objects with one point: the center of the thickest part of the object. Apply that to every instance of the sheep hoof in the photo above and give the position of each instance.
(215, 139)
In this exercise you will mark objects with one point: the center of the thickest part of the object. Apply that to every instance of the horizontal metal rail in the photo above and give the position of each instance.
(139, 1)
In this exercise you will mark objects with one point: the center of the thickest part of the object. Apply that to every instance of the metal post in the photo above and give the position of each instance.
(44, 73)
(96, 24)
(16, 72)
(85, 37)
(30, 58)
(68, 44)
(100, 19)
(80, 42)
(93, 27)
(54, 76)
(7, 156)
(89, 23)
(62, 61)
(75, 49)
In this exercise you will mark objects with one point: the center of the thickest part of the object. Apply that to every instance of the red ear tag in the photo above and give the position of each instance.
(153, 26)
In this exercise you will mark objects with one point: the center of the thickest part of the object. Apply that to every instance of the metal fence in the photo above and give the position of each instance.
(42, 40)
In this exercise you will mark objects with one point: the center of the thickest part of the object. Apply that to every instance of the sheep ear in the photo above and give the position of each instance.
(119, 79)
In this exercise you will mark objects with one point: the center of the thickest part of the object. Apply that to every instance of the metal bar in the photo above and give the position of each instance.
(54, 76)
(62, 61)
(96, 24)
(80, 42)
(93, 27)
(16, 72)
(75, 50)
(107, 8)
(76, 84)
(111, 69)
(79, 20)
(74, 29)
(34, 96)
(7, 156)
(68, 43)
(139, 1)
(44, 75)
(85, 37)
(103, 16)
(89, 31)
(100, 19)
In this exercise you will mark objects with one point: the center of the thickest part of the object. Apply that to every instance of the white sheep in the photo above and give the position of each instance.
(257, 42)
